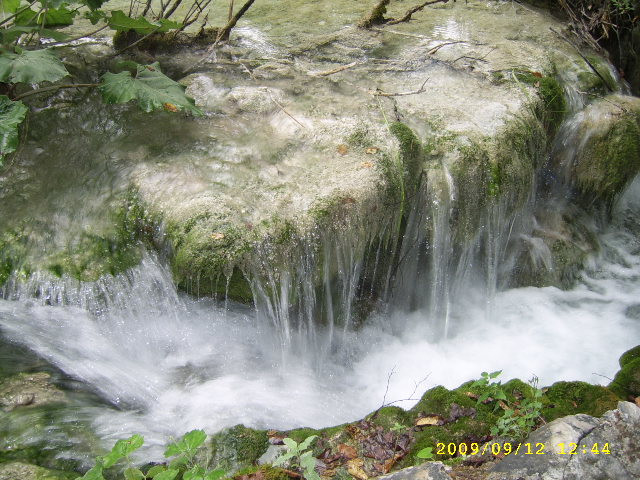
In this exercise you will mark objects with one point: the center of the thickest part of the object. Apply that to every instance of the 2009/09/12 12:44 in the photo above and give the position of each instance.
(508, 448)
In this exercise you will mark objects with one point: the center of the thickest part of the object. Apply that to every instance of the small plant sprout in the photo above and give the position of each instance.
(298, 456)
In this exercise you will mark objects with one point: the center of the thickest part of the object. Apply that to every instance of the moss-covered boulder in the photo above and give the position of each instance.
(570, 398)
(629, 356)
(237, 447)
(26, 471)
(608, 156)
(626, 383)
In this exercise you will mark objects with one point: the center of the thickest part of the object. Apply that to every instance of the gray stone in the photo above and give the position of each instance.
(273, 452)
(618, 428)
(26, 471)
(28, 389)
(426, 471)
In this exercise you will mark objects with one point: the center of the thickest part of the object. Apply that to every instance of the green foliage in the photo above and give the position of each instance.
(51, 17)
(425, 453)
(150, 87)
(31, 66)
(183, 465)
(123, 23)
(11, 116)
(491, 389)
(9, 6)
(298, 456)
(519, 417)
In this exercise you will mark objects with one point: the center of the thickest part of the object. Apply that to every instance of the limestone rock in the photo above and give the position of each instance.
(28, 389)
(26, 471)
(426, 471)
(618, 428)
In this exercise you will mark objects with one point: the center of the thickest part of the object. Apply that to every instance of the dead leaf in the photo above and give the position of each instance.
(637, 400)
(503, 405)
(471, 395)
(354, 468)
(537, 84)
(372, 150)
(366, 164)
(347, 451)
(217, 236)
(343, 149)
(429, 420)
(458, 412)
(170, 107)
(536, 74)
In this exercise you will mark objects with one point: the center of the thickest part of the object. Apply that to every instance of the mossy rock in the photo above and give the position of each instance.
(265, 472)
(569, 398)
(629, 355)
(391, 417)
(626, 383)
(237, 447)
(610, 156)
(26, 471)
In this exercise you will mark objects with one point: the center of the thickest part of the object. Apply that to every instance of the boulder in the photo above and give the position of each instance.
(28, 390)
(26, 471)
(616, 432)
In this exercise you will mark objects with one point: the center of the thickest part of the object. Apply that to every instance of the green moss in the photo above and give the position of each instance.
(237, 447)
(26, 471)
(626, 383)
(13, 252)
(391, 417)
(550, 91)
(266, 472)
(629, 355)
(570, 398)
(412, 155)
(610, 160)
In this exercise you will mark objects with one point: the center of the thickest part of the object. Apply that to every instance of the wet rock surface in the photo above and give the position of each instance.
(25, 471)
(28, 389)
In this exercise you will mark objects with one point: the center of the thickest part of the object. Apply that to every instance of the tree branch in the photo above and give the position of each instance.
(53, 88)
(223, 34)
(417, 8)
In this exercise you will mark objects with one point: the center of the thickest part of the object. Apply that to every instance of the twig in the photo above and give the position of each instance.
(53, 88)
(23, 9)
(380, 93)
(138, 41)
(408, 399)
(62, 42)
(273, 98)
(603, 376)
(224, 32)
(438, 47)
(335, 70)
(417, 8)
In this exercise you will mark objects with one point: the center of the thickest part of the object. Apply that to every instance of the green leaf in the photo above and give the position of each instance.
(193, 439)
(9, 35)
(215, 475)
(9, 6)
(307, 441)
(155, 470)
(133, 474)
(153, 91)
(167, 475)
(495, 374)
(53, 17)
(425, 453)
(94, 16)
(123, 448)
(308, 461)
(94, 474)
(121, 22)
(196, 473)
(31, 66)
(290, 443)
(282, 459)
(94, 4)
(12, 114)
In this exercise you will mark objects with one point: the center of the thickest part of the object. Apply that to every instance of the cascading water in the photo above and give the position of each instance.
(136, 356)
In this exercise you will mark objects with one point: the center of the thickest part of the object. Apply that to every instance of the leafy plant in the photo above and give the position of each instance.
(426, 453)
(182, 466)
(490, 389)
(299, 457)
(520, 418)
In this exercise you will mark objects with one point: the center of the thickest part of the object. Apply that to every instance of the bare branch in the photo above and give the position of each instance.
(417, 8)
(380, 93)
(326, 73)
(223, 34)
(54, 88)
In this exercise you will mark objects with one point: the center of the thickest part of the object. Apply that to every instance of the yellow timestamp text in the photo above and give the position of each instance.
(502, 449)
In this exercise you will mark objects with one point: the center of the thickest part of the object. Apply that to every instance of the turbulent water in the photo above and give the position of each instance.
(162, 363)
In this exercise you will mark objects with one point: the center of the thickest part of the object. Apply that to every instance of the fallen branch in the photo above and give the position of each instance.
(417, 8)
(438, 47)
(376, 17)
(54, 88)
(395, 32)
(380, 93)
(335, 70)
